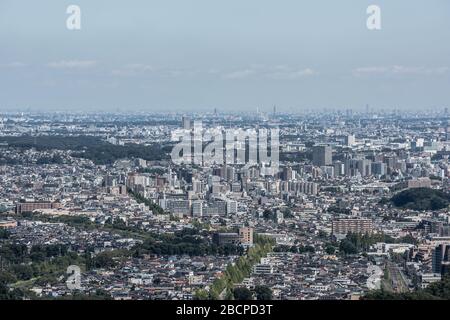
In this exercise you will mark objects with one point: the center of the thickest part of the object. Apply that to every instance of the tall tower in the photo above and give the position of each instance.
(447, 131)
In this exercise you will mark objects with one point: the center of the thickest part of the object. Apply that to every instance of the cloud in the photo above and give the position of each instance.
(72, 64)
(369, 70)
(269, 72)
(399, 70)
(253, 71)
(239, 74)
(138, 69)
(286, 73)
(15, 64)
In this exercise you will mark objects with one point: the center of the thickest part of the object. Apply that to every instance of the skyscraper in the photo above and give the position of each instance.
(379, 168)
(322, 156)
(441, 257)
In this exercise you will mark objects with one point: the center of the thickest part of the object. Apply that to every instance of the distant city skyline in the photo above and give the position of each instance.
(230, 55)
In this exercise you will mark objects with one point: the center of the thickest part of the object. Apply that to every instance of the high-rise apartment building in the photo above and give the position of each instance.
(349, 140)
(32, 206)
(186, 122)
(341, 227)
(197, 208)
(246, 235)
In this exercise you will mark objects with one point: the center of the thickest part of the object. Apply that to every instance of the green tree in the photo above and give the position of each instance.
(347, 247)
(7, 277)
(4, 233)
(330, 249)
(242, 293)
(103, 260)
(263, 293)
(23, 272)
(201, 294)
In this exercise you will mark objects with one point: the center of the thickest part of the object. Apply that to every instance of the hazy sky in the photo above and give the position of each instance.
(229, 54)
